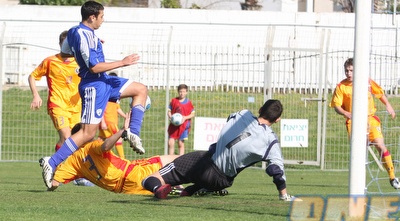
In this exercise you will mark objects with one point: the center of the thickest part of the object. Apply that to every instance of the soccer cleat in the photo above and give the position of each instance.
(222, 192)
(286, 197)
(176, 190)
(163, 191)
(185, 193)
(201, 192)
(52, 188)
(134, 141)
(204, 191)
(47, 171)
(395, 183)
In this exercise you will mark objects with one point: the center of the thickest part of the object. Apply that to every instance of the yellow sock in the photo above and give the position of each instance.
(120, 150)
(388, 164)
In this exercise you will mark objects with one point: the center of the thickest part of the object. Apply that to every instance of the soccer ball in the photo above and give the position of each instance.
(147, 105)
(177, 119)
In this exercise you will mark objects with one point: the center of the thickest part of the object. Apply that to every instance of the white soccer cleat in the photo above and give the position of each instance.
(134, 141)
(395, 183)
(287, 197)
(47, 171)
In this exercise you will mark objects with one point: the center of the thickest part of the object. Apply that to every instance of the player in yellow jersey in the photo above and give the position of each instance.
(96, 162)
(109, 123)
(64, 102)
(342, 103)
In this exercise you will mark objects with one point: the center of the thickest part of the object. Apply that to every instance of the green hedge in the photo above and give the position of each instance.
(57, 2)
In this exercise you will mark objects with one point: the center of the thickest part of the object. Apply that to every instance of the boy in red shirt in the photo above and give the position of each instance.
(184, 106)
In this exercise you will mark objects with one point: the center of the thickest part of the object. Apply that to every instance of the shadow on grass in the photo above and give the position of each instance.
(176, 202)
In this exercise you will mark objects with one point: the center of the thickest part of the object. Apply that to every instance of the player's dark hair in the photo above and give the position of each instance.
(271, 110)
(182, 86)
(76, 128)
(112, 74)
(348, 62)
(62, 36)
(91, 8)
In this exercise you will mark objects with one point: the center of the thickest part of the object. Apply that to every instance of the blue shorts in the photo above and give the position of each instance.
(184, 135)
(95, 94)
(174, 131)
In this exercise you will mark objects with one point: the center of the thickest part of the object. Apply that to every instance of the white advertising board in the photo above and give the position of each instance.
(294, 133)
(206, 131)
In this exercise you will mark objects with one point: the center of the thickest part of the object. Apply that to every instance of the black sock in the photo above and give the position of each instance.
(151, 184)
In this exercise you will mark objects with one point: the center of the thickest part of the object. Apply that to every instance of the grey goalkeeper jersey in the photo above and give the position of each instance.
(243, 142)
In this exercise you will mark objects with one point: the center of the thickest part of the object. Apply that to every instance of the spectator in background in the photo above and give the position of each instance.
(109, 123)
(342, 103)
(184, 106)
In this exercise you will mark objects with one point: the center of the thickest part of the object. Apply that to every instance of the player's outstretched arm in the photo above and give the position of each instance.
(108, 66)
(110, 142)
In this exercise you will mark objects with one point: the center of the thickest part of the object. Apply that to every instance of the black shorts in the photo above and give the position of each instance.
(198, 168)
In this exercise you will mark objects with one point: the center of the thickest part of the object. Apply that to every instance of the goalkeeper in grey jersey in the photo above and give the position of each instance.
(243, 141)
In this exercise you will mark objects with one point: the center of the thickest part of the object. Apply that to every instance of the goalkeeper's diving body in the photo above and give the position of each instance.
(243, 141)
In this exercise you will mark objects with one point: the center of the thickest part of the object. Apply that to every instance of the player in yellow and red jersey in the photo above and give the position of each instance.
(64, 101)
(342, 103)
(96, 162)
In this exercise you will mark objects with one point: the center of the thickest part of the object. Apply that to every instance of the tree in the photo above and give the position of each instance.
(379, 6)
(170, 4)
(347, 5)
(120, 3)
(52, 2)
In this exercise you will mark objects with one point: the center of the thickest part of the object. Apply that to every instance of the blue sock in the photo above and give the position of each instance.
(66, 150)
(136, 119)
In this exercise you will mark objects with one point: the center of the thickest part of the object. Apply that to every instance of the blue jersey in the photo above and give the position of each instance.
(95, 89)
(86, 48)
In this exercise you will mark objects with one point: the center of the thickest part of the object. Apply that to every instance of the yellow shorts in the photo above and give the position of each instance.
(142, 169)
(62, 118)
(374, 128)
(111, 129)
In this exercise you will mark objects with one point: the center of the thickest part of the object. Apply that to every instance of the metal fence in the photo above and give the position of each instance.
(228, 67)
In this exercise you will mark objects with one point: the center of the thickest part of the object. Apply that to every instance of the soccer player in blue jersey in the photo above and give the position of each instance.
(243, 141)
(97, 88)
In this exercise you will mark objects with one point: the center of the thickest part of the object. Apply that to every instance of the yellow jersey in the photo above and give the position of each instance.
(111, 113)
(107, 170)
(62, 81)
(343, 93)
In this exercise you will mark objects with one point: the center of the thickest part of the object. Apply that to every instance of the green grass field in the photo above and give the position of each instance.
(252, 197)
